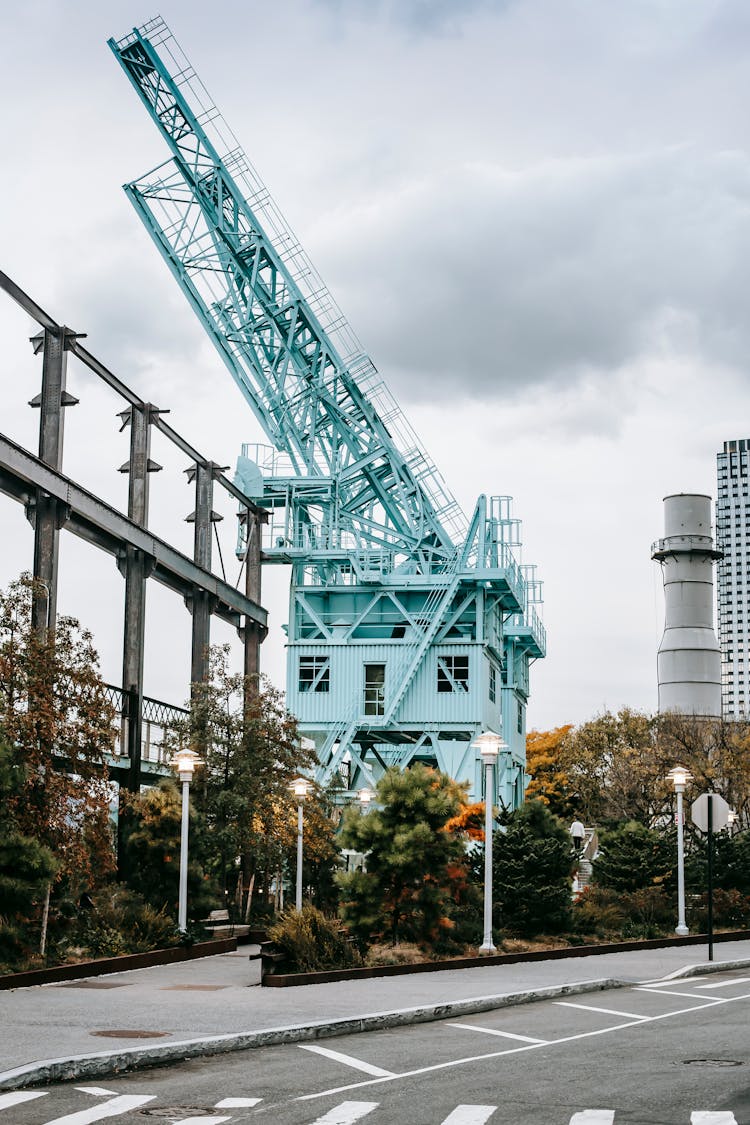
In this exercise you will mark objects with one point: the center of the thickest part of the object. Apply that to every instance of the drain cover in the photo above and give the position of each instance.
(178, 1111)
(712, 1062)
(130, 1034)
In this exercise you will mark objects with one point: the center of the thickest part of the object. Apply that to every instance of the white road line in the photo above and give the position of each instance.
(661, 992)
(237, 1103)
(346, 1113)
(703, 1117)
(725, 983)
(347, 1060)
(489, 1055)
(470, 1115)
(201, 1120)
(97, 1091)
(16, 1097)
(593, 1117)
(494, 1031)
(604, 1011)
(114, 1108)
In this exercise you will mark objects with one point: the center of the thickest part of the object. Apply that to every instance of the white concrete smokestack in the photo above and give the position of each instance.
(688, 662)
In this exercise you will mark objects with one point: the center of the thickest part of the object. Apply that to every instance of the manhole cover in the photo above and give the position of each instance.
(712, 1062)
(177, 1111)
(125, 1034)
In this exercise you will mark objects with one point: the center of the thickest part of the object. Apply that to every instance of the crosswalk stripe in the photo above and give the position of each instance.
(704, 1117)
(16, 1097)
(348, 1060)
(201, 1120)
(114, 1108)
(346, 1113)
(97, 1091)
(494, 1031)
(237, 1103)
(602, 1011)
(470, 1115)
(593, 1117)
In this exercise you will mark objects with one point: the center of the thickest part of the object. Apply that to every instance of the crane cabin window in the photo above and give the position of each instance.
(453, 673)
(314, 673)
(374, 689)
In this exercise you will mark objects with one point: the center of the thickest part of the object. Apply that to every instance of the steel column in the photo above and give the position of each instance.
(47, 514)
(201, 605)
(136, 568)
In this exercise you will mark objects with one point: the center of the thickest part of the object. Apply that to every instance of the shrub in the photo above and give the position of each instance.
(313, 942)
(598, 911)
(531, 871)
(120, 921)
(731, 910)
(649, 913)
(632, 856)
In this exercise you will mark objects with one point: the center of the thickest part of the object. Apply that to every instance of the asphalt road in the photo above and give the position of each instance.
(663, 1054)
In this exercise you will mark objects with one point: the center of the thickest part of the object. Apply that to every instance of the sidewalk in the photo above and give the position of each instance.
(104, 1025)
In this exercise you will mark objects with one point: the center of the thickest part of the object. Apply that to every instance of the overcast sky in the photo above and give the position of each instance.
(534, 213)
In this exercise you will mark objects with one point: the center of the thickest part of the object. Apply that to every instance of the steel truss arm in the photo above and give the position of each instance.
(303, 391)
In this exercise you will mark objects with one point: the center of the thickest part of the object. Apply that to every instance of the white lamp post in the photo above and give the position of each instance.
(365, 796)
(489, 745)
(300, 787)
(185, 762)
(679, 777)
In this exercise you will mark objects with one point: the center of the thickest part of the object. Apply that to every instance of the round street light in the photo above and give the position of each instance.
(490, 745)
(185, 762)
(300, 787)
(365, 797)
(679, 776)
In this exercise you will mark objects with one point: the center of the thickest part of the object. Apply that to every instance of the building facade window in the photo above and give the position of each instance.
(374, 689)
(314, 673)
(453, 674)
(493, 684)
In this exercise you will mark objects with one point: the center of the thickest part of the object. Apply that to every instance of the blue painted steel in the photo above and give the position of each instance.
(411, 629)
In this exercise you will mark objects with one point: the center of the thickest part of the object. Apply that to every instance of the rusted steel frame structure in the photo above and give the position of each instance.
(53, 501)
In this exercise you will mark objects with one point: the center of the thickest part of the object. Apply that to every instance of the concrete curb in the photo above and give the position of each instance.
(109, 1063)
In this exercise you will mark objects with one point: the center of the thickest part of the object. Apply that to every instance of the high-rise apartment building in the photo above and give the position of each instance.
(733, 574)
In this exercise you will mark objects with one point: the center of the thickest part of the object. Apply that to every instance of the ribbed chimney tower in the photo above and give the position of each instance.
(688, 662)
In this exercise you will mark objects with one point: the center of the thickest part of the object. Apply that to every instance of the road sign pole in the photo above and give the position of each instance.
(710, 877)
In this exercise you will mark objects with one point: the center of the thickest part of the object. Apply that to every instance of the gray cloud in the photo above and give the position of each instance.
(567, 271)
(423, 17)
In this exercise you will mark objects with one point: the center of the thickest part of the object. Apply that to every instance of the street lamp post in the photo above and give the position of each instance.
(679, 777)
(300, 787)
(365, 796)
(185, 762)
(489, 745)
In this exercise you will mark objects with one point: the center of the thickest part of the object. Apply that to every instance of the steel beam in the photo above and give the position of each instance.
(21, 473)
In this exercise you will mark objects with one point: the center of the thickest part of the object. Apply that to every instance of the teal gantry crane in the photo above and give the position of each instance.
(411, 627)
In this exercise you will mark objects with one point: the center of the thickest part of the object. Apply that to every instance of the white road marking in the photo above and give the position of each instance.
(346, 1113)
(493, 1031)
(661, 992)
(347, 1060)
(201, 1120)
(725, 983)
(237, 1103)
(16, 1097)
(470, 1115)
(704, 1117)
(114, 1108)
(593, 1117)
(97, 1091)
(489, 1055)
(603, 1011)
